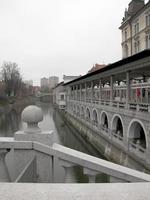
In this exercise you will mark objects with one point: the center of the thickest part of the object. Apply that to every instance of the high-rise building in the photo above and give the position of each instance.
(44, 84)
(53, 81)
(135, 28)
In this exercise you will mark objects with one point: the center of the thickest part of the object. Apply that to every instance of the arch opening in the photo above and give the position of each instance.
(117, 127)
(95, 118)
(137, 135)
(88, 115)
(104, 122)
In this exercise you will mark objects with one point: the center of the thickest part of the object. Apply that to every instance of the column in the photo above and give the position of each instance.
(85, 97)
(73, 92)
(128, 89)
(80, 92)
(111, 89)
(91, 91)
(100, 89)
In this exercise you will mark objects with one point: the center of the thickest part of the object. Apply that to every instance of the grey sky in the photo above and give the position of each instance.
(56, 37)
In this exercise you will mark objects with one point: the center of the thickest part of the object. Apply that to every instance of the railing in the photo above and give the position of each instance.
(67, 158)
(95, 123)
(137, 149)
(103, 128)
(116, 135)
(134, 106)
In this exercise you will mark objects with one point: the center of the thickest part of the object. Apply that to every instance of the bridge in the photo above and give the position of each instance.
(114, 102)
(45, 97)
(30, 157)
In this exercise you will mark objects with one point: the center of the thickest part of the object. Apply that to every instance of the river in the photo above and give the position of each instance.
(11, 122)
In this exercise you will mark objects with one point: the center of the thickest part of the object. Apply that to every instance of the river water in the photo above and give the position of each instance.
(11, 122)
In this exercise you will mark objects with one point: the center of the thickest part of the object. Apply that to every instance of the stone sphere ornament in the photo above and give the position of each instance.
(32, 115)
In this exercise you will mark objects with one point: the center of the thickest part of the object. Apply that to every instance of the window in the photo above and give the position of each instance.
(147, 19)
(136, 27)
(137, 46)
(62, 97)
(147, 41)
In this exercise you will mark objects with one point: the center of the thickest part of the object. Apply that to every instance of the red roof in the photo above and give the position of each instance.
(96, 67)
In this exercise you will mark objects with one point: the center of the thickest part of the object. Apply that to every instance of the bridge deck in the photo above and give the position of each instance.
(26, 191)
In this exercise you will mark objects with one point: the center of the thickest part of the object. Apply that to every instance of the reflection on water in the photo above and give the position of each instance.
(9, 123)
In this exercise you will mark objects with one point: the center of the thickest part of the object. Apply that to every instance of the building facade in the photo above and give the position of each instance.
(135, 28)
(44, 85)
(115, 102)
(53, 81)
(59, 92)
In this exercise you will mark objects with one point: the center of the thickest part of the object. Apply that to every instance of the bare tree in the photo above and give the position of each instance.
(11, 77)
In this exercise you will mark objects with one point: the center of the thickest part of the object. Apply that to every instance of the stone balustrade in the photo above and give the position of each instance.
(30, 156)
(69, 158)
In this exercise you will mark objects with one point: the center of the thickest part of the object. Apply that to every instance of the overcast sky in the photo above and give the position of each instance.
(56, 37)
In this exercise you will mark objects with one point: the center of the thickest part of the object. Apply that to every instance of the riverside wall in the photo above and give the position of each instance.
(109, 150)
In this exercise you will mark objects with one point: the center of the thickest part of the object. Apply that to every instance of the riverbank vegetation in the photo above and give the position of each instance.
(12, 86)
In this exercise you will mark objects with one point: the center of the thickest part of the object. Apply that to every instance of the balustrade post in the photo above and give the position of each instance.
(137, 108)
(32, 115)
(91, 174)
(68, 167)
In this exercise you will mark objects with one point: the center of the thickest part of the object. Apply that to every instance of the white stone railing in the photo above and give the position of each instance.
(68, 158)
(30, 157)
(134, 106)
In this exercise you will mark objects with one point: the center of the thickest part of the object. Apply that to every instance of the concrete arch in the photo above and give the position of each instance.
(137, 131)
(104, 119)
(117, 124)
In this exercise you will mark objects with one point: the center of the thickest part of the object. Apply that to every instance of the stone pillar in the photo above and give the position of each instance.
(128, 89)
(85, 92)
(91, 174)
(91, 91)
(100, 89)
(32, 115)
(75, 92)
(73, 95)
(80, 92)
(111, 89)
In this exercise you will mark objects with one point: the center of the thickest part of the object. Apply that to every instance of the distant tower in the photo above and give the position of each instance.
(53, 81)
